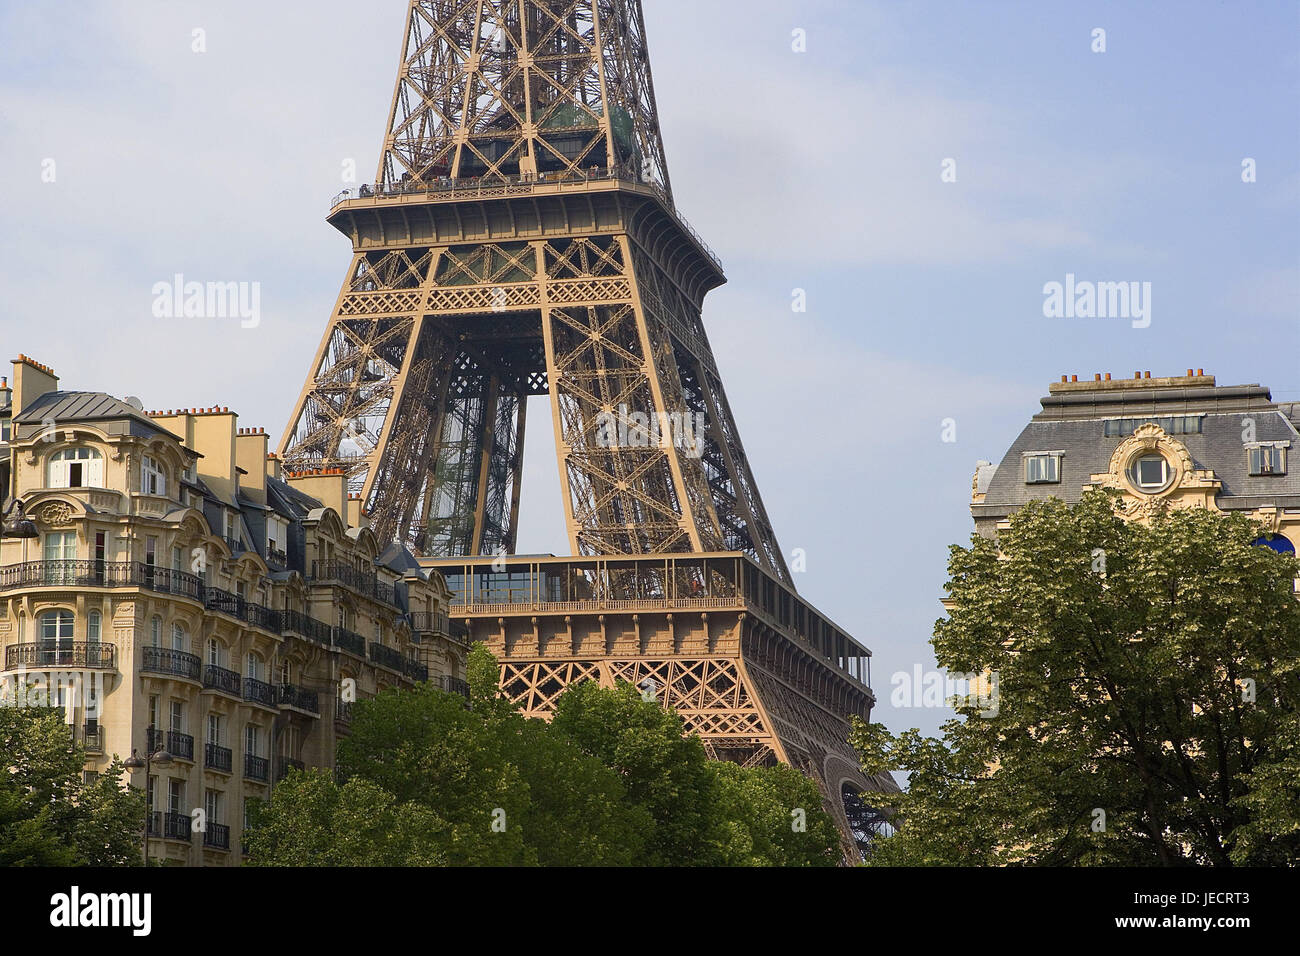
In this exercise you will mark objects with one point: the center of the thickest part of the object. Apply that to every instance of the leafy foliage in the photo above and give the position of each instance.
(48, 815)
(1148, 686)
(611, 781)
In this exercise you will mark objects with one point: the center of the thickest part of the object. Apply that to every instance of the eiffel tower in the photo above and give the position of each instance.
(521, 239)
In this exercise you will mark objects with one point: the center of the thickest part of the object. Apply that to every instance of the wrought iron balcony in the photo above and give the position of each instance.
(296, 622)
(257, 768)
(290, 695)
(287, 764)
(92, 737)
(258, 615)
(343, 711)
(179, 745)
(216, 836)
(416, 670)
(387, 657)
(222, 679)
(454, 685)
(259, 692)
(363, 582)
(169, 825)
(101, 574)
(164, 660)
(348, 640)
(217, 758)
(438, 625)
(92, 655)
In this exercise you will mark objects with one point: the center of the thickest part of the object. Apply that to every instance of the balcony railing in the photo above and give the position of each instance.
(259, 691)
(362, 582)
(164, 660)
(222, 679)
(522, 183)
(92, 737)
(102, 574)
(290, 695)
(348, 640)
(310, 628)
(93, 655)
(287, 764)
(343, 711)
(216, 836)
(454, 685)
(257, 615)
(257, 768)
(415, 670)
(170, 825)
(217, 758)
(387, 656)
(179, 745)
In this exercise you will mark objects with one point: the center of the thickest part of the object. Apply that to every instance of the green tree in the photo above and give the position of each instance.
(773, 816)
(312, 821)
(1147, 684)
(49, 816)
(662, 770)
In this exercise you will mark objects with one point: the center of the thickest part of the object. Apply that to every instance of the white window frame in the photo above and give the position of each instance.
(1165, 473)
(60, 464)
(153, 479)
(1031, 458)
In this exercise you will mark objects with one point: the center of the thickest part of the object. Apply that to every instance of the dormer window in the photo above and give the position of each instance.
(1042, 467)
(1267, 460)
(76, 468)
(153, 481)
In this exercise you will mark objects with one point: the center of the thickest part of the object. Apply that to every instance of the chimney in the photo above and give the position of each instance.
(329, 486)
(250, 455)
(274, 467)
(211, 432)
(357, 517)
(31, 380)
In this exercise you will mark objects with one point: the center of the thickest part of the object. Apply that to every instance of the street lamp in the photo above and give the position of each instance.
(19, 526)
(160, 758)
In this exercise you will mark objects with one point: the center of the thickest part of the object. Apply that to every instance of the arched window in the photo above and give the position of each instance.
(179, 637)
(1275, 543)
(215, 652)
(286, 673)
(253, 667)
(155, 631)
(153, 480)
(93, 627)
(76, 468)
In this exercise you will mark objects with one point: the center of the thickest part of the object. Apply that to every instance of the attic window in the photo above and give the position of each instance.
(1267, 460)
(1042, 467)
(76, 468)
(153, 481)
(1172, 425)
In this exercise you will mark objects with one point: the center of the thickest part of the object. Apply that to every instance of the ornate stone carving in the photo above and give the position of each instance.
(56, 514)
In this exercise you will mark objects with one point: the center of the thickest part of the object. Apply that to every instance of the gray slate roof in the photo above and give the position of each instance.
(1074, 425)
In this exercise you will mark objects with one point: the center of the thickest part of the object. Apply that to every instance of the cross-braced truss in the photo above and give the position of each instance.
(521, 240)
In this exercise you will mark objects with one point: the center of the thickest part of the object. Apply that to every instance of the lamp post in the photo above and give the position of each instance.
(19, 526)
(160, 758)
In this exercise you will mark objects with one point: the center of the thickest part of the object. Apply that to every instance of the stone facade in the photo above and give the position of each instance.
(181, 581)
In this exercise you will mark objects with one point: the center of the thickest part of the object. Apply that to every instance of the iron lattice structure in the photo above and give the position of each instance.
(521, 239)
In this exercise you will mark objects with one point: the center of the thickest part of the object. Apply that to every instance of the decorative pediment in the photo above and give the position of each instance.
(1148, 441)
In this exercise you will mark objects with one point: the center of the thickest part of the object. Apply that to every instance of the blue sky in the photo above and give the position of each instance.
(817, 171)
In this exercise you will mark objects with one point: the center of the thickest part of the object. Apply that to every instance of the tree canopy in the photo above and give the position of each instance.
(611, 781)
(1147, 683)
(49, 815)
